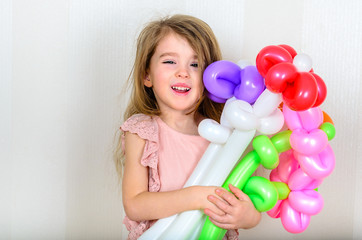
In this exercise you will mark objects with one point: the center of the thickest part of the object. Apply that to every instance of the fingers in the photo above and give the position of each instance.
(238, 193)
(220, 204)
(220, 219)
(230, 197)
(224, 221)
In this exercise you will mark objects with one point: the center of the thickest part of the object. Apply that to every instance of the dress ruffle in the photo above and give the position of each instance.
(146, 127)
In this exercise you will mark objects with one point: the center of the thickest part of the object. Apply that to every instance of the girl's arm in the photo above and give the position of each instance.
(140, 204)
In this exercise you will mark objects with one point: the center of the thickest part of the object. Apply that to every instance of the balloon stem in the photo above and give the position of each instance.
(283, 190)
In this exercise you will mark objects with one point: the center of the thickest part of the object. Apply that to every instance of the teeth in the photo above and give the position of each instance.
(181, 88)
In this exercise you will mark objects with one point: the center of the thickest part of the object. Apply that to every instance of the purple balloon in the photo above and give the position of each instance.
(220, 79)
(225, 79)
(251, 85)
(216, 99)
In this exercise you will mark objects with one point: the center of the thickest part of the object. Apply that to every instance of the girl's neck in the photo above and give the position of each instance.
(182, 123)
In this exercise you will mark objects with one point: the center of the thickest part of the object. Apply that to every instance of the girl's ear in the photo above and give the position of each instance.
(147, 81)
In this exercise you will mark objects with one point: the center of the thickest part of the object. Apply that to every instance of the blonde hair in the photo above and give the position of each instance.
(202, 40)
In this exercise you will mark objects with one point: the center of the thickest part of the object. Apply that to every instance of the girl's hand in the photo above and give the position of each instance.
(201, 194)
(239, 211)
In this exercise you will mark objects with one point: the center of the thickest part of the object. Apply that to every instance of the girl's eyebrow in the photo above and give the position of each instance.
(173, 54)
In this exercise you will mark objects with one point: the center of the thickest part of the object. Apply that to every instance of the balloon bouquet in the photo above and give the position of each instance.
(300, 157)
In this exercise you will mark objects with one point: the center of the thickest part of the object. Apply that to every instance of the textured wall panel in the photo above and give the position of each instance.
(38, 119)
(332, 36)
(5, 119)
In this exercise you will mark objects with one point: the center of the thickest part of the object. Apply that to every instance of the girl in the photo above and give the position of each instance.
(160, 141)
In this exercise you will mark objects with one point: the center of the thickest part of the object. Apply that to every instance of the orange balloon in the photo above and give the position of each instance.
(327, 118)
(281, 106)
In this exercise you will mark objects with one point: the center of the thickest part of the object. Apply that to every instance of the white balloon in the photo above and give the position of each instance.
(266, 103)
(272, 124)
(228, 157)
(213, 131)
(158, 228)
(223, 120)
(302, 62)
(206, 162)
(243, 63)
(185, 225)
(240, 115)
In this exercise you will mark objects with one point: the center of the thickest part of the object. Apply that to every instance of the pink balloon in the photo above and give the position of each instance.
(287, 165)
(292, 220)
(308, 143)
(320, 165)
(311, 118)
(299, 180)
(308, 120)
(309, 202)
(275, 211)
(291, 118)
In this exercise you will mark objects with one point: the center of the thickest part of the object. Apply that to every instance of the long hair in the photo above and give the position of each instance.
(202, 40)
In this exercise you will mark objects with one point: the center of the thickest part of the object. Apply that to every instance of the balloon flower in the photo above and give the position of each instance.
(303, 168)
(302, 202)
(290, 75)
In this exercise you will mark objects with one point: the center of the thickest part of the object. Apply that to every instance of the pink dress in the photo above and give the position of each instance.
(170, 156)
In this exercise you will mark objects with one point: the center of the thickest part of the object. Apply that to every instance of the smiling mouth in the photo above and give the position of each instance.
(181, 89)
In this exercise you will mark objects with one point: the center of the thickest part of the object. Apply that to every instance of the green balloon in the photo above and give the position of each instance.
(329, 129)
(243, 171)
(210, 231)
(238, 177)
(281, 141)
(262, 193)
(283, 190)
(269, 156)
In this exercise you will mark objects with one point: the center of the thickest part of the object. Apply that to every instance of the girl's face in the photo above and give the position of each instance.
(174, 75)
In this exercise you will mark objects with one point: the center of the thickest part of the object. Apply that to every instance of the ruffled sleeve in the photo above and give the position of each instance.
(146, 127)
(231, 235)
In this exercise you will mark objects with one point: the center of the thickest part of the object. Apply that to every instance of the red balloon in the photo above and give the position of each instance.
(278, 76)
(289, 49)
(269, 56)
(322, 90)
(302, 94)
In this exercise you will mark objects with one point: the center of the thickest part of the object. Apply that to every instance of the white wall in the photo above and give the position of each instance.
(62, 68)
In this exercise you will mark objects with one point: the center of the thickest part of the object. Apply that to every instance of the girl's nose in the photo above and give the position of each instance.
(182, 73)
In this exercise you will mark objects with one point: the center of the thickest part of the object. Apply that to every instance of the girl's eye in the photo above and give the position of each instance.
(169, 62)
(195, 65)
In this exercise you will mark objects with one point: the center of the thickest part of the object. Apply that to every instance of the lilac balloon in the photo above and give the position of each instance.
(220, 79)
(251, 85)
